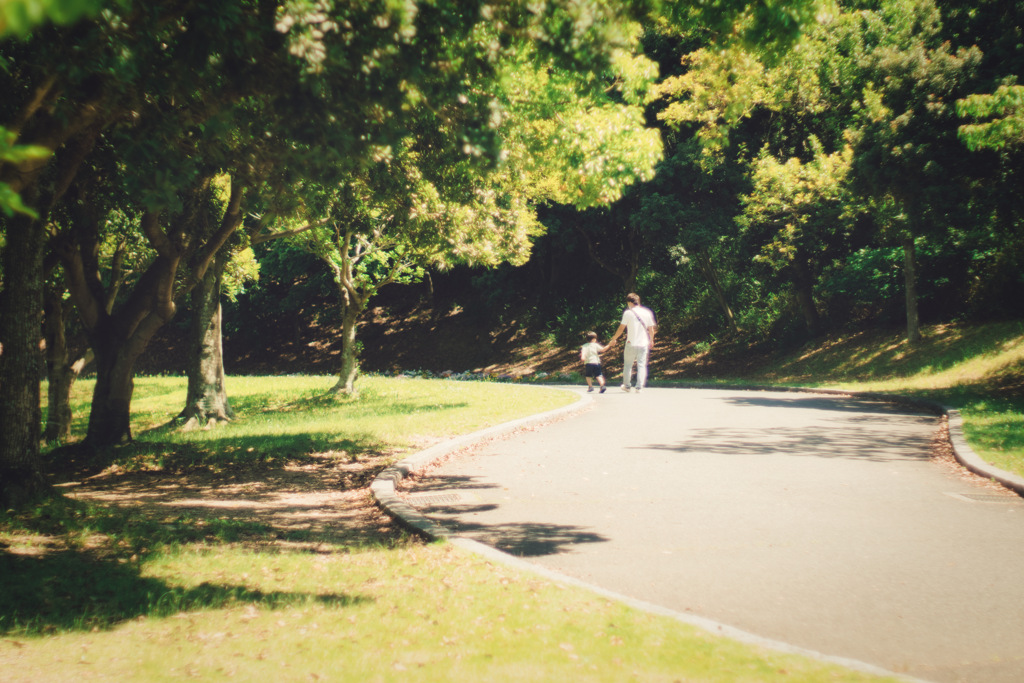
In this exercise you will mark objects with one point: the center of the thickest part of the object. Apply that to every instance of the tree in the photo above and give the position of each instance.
(692, 205)
(1005, 110)
(804, 208)
(907, 150)
(390, 224)
(206, 397)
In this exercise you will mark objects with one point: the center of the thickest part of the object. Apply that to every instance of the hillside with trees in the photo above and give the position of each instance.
(185, 184)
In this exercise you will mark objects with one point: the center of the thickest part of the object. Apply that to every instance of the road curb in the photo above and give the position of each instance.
(972, 461)
(383, 490)
(383, 486)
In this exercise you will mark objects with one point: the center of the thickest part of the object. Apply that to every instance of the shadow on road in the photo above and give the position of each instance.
(869, 406)
(526, 539)
(800, 442)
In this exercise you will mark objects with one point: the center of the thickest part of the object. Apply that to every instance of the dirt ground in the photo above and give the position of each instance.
(317, 506)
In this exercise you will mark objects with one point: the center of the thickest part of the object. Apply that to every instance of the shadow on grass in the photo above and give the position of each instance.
(74, 591)
(366, 403)
(77, 562)
(225, 450)
(281, 436)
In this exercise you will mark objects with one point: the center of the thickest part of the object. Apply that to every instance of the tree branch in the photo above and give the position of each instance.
(262, 237)
(150, 225)
(232, 219)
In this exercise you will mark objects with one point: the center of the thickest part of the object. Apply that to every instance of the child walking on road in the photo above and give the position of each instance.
(590, 355)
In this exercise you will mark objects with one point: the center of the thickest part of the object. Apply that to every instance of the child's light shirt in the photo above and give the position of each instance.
(591, 353)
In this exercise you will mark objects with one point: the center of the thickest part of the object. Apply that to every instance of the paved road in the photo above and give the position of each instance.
(816, 520)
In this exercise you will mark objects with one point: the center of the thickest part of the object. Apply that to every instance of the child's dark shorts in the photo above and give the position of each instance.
(593, 370)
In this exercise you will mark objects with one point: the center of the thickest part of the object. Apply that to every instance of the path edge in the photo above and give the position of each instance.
(383, 486)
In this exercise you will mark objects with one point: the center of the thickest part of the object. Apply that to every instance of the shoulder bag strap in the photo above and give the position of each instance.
(642, 323)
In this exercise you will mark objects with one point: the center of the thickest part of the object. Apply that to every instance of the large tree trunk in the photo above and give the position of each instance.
(110, 417)
(206, 403)
(349, 352)
(21, 363)
(119, 338)
(116, 352)
(910, 280)
(803, 284)
(704, 260)
(60, 372)
(21, 303)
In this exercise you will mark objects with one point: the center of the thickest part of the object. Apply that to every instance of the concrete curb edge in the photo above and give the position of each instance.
(383, 486)
(972, 461)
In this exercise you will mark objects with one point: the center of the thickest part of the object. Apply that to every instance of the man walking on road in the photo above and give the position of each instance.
(640, 326)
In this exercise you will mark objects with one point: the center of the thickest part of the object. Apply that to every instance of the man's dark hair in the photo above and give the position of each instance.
(633, 298)
(592, 336)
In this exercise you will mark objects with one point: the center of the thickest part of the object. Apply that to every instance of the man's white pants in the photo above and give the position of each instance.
(635, 354)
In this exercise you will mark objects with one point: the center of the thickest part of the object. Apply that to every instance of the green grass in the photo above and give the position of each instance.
(422, 613)
(283, 418)
(95, 589)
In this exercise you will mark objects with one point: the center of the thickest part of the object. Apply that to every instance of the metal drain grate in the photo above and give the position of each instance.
(988, 497)
(432, 499)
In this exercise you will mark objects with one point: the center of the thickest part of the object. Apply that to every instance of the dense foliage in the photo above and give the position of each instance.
(871, 176)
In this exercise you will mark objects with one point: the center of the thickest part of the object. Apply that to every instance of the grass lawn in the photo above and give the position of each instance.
(252, 552)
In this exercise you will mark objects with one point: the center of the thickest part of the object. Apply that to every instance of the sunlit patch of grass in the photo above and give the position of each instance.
(995, 429)
(426, 613)
(285, 418)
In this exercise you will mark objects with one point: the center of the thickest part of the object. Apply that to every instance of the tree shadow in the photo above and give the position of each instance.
(75, 591)
(419, 483)
(160, 446)
(225, 450)
(876, 431)
(871, 407)
(852, 443)
(523, 539)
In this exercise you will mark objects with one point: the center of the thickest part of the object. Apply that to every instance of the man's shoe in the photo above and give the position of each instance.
(625, 388)
(603, 389)
(590, 389)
